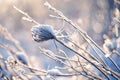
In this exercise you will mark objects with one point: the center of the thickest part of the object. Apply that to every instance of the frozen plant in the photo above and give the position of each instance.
(42, 32)
(88, 61)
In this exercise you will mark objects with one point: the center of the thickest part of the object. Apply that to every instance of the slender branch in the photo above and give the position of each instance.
(88, 76)
(82, 57)
(27, 18)
(83, 33)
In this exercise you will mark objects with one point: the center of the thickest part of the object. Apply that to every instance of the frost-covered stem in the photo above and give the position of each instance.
(97, 53)
(14, 41)
(54, 58)
(86, 75)
(85, 51)
(83, 33)
(107, 69)
(82, 57)
(18, 62)
(103, 53)
(93, 74)
(68, 59)
(80, 64)
(74, 68)
(33, 69)
(28, 18)
(73, 74)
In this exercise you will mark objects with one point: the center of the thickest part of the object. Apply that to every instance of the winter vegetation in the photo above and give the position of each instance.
(66, 51)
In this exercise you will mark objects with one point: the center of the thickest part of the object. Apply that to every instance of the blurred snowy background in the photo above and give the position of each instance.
(93, 16)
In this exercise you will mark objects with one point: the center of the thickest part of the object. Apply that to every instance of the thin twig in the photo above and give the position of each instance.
(83, 33)
(28, 18)
(82, 57)
(56, 59)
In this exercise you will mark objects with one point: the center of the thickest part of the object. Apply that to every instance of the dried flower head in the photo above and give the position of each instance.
(42, 33)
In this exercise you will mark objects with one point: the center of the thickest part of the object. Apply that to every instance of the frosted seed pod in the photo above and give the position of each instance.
(22, 57)
(42, 33)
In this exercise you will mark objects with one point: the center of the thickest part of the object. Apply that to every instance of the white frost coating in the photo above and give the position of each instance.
(54, 72)
(45, 27)
(42, 32)
(47, 77)
(107, 45)
(108, 55)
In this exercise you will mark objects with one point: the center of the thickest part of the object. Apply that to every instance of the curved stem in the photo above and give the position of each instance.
(83, 58)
